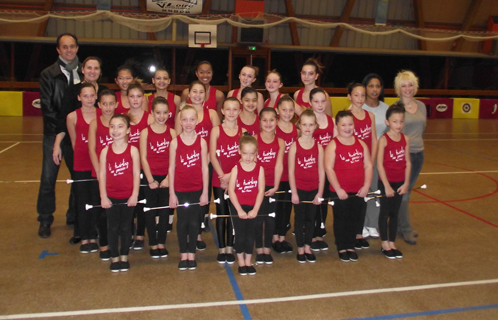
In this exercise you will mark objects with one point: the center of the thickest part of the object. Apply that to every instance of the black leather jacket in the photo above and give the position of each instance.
(53, 84)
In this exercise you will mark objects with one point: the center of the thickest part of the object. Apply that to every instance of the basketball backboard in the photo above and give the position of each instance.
(202, 36)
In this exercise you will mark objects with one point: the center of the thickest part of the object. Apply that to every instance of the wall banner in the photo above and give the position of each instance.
(175, 6)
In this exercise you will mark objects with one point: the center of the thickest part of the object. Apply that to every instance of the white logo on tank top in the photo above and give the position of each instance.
(191, 159)
(118, 168)
(352, 157)
(160, 146)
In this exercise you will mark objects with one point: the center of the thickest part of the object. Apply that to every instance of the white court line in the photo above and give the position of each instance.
(12, 146)
(21, 134)
(247, 302)
(465, 133)
(21, 141)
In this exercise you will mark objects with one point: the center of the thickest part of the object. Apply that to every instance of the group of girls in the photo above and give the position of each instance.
(255, 161)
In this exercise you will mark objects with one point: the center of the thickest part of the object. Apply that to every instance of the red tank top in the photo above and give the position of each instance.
(306, 169)
(81, 155)
(363, 130)
(348, 166)
(325, 135)
(267, 102)
(253, 128)
(299, 99)
(158, 151)
(289, 139)
(246, 185)
(120, 109)
(188, 169)
(267, 158)
(119, 173)
(227, 151)
(102, 139)
(211, 102)
(172, 108)
(135, 129)
(394, 159)
(203, 128)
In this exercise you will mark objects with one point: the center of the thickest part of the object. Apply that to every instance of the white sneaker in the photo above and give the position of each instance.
(365, 232)
(373, 232)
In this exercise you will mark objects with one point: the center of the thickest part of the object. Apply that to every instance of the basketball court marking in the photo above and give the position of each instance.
(250, 301)
(12, 146)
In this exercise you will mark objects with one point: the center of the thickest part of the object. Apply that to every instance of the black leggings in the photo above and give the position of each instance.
(139, 208)
(205, 209)
(283, 210)
(86, 193)
(119, 221)
(389, 208)
(346, 216)
(304, 217)
(157, 198)
(244, 231)
(321, 213)
(224, 228)
(188, 222)
(268, 222)
(102, 227)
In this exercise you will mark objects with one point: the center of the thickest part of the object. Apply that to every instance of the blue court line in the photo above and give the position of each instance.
(235, 286)
(46, 253)
(429, 313)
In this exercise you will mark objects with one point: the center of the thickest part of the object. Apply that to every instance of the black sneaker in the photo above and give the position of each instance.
(287, 246)
(389, 254)
(229, 258)
(353, 256)
(74, 240)
(154, 253)
(301, 258)
(260, 258)
(251, 270)
(163, 252)
(344, 256)
(192, 264)
(44, 231)
(221, 258)
(322, 245)
(278, 247)
(105, 255)
(315, 246)
(310, 257)
(138, 245)
(200, 245)
(85, 248)
(243, 271)
(364, 243)
(397, 253)
(115, 266)
(268, 259)
(183, 265)
(358, 245)
(94, 247)
(124, 266)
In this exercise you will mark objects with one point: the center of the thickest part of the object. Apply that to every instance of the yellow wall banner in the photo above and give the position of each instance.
(175, 6)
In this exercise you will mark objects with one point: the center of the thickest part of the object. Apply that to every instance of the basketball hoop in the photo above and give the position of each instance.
(202, 44)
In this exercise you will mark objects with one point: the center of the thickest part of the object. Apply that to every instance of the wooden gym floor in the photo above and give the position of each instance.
(450, 274)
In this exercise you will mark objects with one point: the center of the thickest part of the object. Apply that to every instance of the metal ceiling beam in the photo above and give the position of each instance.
(206, 7)
(419, 18)
(346, 12)
(292, 25)
(467, 22)
(143, 6)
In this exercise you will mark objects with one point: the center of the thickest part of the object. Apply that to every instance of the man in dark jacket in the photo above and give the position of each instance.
(53, 82)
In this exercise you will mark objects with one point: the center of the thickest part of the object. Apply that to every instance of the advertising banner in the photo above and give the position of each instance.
(175, 6)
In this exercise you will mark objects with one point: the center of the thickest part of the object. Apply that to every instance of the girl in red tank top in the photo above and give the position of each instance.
(287, 131)
(349, 171)
(310, 72)
(247, 77)
(224, 155)
(161, 81)
(273, 84)
(77, 123)
(246, 190)
(119, 183)
(393, 163)
(215, 98)
(188, 183)
(154, 155)
(248, 118)
(98, 139)
(306, 179)
(125, 76)
(270, 156)
(365, 131)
